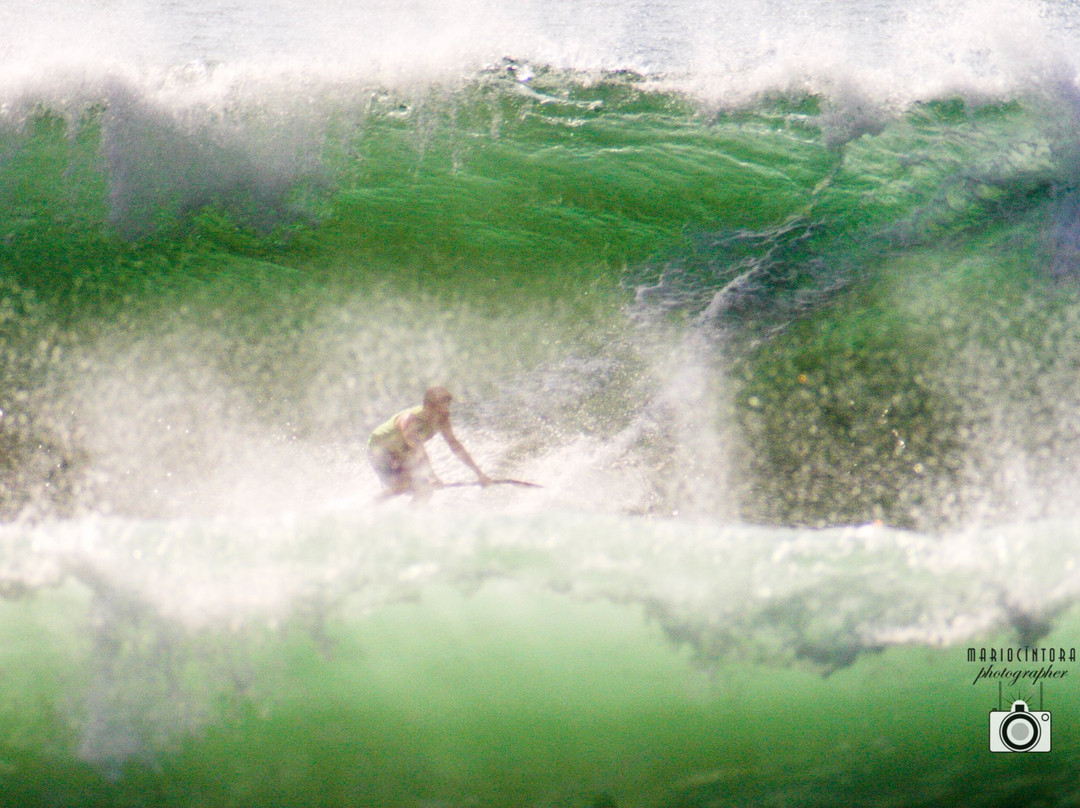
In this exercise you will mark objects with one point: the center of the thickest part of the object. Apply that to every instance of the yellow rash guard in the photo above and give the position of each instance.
(389, 438)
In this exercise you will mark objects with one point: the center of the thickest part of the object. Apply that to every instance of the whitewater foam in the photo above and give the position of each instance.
(886, 52)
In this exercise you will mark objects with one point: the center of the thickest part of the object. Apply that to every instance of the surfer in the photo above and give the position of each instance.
(396, 449)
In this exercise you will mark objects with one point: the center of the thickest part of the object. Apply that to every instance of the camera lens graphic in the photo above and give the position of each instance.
(1019, 731)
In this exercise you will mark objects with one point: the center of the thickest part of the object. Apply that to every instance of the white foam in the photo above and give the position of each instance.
(885, 50)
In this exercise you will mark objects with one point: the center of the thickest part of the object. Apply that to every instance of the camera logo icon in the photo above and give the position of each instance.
(1019, 730)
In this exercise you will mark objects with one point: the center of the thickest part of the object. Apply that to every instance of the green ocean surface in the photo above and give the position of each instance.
(487, 663)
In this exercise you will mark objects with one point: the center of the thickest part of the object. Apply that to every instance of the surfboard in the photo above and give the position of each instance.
(500, 481)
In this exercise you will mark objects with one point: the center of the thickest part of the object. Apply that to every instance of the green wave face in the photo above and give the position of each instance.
(842, 286)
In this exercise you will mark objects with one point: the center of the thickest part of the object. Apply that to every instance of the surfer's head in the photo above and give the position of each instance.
(438, 398)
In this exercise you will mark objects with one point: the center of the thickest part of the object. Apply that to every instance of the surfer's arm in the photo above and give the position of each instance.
(463, 453)
(408, 426)
(422, 461)
(417, 461)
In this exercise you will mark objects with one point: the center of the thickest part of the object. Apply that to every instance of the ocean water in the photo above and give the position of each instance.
(779, 304)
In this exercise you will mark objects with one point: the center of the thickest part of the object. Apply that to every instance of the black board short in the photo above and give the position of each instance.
(390, 466)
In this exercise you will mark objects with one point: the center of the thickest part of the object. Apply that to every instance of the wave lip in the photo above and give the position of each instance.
(887, 51)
